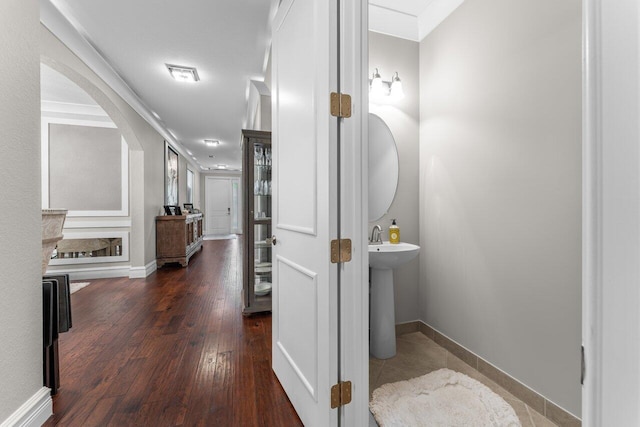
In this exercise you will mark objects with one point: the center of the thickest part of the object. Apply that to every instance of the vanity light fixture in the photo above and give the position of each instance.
(182, 73)
(379, 89)
(211, 142)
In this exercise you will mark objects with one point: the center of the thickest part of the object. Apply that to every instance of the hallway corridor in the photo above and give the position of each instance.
(170, 350)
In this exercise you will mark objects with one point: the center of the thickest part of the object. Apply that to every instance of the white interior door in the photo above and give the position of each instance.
(218, 205)
(305, 327)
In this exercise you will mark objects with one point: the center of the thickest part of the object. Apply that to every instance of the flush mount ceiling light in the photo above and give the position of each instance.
(211, 142)
(182, 73)
(380, 90)
(221, 166)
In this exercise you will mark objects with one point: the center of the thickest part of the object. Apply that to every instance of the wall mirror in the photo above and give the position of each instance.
(383, 167)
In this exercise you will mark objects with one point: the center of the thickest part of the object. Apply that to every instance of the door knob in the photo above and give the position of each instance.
(272, 240)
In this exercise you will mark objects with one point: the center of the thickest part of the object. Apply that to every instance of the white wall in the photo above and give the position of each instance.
(259, 106)
(391, 54)
(21, 223)
(500, 188)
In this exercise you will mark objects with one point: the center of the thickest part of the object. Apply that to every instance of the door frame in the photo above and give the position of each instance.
(611, 212)
(236, 210)
(354, 275)
(353, 286)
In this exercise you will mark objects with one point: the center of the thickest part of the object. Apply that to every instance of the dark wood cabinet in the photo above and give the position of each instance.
(256, 178)
(178, 237)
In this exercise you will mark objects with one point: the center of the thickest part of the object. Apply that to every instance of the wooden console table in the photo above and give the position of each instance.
(178, 237)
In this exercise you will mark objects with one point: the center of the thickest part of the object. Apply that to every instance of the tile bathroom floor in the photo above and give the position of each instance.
(418, 355)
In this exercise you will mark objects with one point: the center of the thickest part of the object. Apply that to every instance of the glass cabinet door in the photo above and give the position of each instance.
(257, 225)
(262, 221)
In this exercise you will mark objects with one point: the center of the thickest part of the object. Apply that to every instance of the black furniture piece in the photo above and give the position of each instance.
(56, 304)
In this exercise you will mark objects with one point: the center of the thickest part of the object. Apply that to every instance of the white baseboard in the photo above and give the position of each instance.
(92, 272)
(106, 272)
(32, 413)
(142, 272)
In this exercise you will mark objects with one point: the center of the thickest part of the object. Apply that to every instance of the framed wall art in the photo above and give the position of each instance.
(171, 176)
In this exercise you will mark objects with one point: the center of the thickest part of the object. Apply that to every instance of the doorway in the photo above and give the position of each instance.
(443, 146)
(218, 206)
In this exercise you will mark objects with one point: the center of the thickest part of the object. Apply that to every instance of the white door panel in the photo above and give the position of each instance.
(298, 293)
(218, 205)
(305, 353)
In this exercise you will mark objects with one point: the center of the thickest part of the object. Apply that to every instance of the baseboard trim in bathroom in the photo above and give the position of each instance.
(530, 397)
(407, 327)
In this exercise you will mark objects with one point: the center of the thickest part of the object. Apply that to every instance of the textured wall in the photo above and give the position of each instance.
(20, 224)
(500, 188)
(391, 54)
(85, 168)
(145, 144)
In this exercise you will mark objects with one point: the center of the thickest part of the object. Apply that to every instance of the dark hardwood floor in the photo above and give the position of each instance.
(170, 350)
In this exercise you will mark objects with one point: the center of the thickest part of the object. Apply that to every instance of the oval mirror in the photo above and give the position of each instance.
(383, 167)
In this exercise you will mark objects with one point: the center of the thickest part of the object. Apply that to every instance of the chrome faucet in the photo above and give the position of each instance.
(376, 238)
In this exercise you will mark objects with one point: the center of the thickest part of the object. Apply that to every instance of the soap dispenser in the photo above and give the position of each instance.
(394, 232)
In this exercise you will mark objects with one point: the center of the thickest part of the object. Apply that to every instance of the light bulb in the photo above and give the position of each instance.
(377, 86)
(396, 87)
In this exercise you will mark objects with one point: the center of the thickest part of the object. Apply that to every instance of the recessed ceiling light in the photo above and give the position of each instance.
(182, 73)
(189, 153)
(212, 142)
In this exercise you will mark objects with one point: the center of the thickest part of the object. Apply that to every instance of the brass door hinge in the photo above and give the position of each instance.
(340, 105)
(340, 394)
(340, 250)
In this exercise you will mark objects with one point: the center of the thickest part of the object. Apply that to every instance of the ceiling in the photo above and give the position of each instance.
(226, 40)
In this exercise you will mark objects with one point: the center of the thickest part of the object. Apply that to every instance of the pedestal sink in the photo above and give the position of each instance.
(382, 260)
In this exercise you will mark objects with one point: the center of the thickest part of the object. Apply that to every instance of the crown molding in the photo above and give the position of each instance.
(406, 26)
(393, 23)
(436, 12)
(72, 36)
(71, 108)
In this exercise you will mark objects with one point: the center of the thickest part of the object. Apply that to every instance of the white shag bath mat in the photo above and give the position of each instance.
(76, 286)
(441, 398)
